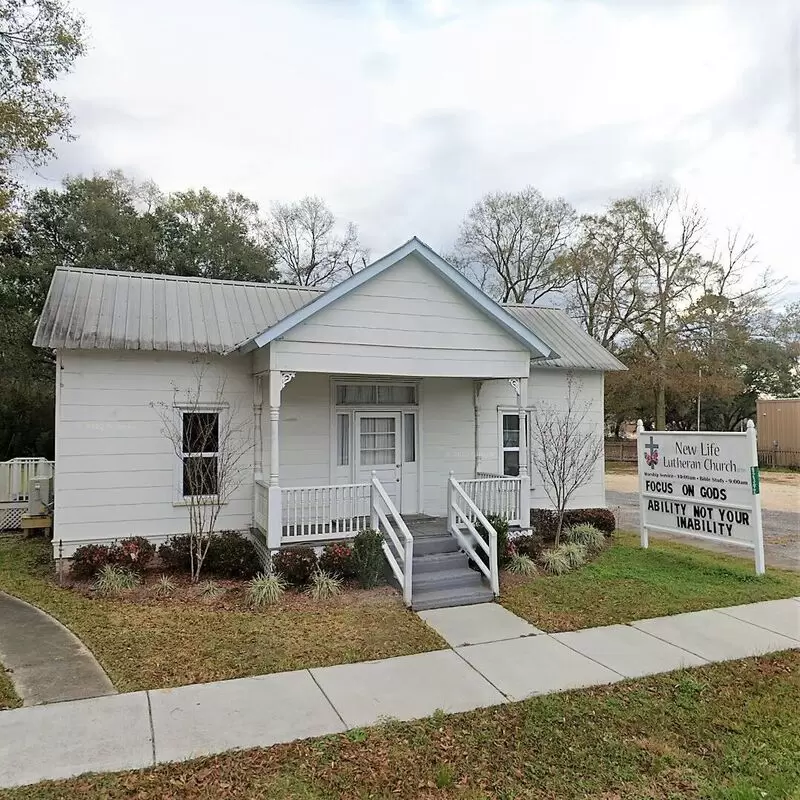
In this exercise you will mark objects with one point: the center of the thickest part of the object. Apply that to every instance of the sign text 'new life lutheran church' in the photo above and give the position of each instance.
(701, 484)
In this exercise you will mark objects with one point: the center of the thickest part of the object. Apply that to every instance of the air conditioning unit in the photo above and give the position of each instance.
(39, 495)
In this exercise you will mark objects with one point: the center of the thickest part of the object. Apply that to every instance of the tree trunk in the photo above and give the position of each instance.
(661, 405)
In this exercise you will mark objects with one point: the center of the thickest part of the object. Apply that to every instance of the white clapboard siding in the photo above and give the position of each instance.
(115, 469)
(406, 321)
(545, 385)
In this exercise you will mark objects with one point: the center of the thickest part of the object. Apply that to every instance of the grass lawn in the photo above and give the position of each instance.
(8, 697)
(724, 732)
(626, 583)
(153, 644)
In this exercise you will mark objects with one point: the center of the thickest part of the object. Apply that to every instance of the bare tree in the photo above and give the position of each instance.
(304, 239)
(606, 294)
(210, 439)
(510, 243)
(565, 447)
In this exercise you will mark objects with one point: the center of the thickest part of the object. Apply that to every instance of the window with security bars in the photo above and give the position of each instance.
(200, 454)
(376, 394)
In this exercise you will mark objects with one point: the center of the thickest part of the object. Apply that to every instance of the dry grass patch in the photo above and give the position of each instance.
(145, 641)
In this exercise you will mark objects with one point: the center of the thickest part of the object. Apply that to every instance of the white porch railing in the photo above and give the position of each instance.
(15, 475)
(324, 512)
(497, 495)
(399, 554)
(462, 514)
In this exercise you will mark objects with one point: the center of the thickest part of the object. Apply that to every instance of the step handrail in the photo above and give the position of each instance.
(454, 512)
(405, 550)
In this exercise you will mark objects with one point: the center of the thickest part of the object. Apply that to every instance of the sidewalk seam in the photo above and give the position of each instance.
(330, 702)
(152, 729)
(476, 670)
(672, 644)
(755, 624)
(599, 663)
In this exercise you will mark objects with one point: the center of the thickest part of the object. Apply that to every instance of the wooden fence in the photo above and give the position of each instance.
(625, 451)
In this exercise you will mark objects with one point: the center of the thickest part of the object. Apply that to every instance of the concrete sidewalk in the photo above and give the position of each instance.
(137, 730)
(47, 663)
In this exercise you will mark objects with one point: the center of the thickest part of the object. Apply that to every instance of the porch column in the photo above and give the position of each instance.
(275, 512)
(258, 441)
(524, 477)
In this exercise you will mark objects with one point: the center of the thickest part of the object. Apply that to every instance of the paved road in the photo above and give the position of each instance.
(781, 531)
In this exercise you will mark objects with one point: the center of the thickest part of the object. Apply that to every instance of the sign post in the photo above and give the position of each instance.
(704, 485)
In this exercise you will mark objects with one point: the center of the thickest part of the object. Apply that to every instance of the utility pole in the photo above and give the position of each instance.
(699, 379)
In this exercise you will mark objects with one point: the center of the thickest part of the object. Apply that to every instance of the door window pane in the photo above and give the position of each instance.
(377, 441)
(343, 440)
(409, 438)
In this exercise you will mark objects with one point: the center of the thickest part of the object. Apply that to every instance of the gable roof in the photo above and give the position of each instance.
(468, 290)
(575, 348)
(103, 309)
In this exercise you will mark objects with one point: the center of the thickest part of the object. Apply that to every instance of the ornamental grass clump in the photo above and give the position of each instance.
(324, 585)
(112, 580)
(265, 589)
(521, 564)
(574, 553)
(554, 562)
(589, 536)
(210, 590)
(164, 586)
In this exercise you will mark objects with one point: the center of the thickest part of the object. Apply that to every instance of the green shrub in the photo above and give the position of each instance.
(111, 580)
(324, 585)
(527, 544)
(232, 555)
(368, 557)
(337, 560)
(590, 537)
(295, 565)
(265, 589)
(88, 560)
(521, 565)
(174, 553)
(574, 553)
(134, 553)
(500, 524)
(544, 520)
(554, 562)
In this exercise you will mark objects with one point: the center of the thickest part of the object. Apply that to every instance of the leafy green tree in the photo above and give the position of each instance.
(209, 236)
(39, 42)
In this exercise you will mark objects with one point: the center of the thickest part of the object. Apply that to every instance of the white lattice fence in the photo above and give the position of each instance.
(11, 515)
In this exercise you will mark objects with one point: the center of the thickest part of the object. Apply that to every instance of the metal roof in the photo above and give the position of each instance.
(104, 309)
(92, 308)
(575, 348)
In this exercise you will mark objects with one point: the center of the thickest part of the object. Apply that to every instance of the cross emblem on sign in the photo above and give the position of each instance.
(651, 456)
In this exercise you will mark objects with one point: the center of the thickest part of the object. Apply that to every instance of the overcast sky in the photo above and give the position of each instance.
(401, 113)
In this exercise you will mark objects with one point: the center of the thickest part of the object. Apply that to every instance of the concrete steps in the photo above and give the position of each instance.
(442, 577)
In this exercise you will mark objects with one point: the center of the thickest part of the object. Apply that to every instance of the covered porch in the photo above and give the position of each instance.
(333, 454)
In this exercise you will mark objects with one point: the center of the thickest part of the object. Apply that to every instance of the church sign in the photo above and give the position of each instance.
(702, 484)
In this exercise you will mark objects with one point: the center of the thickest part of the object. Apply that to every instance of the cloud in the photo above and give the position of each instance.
(401, 113)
